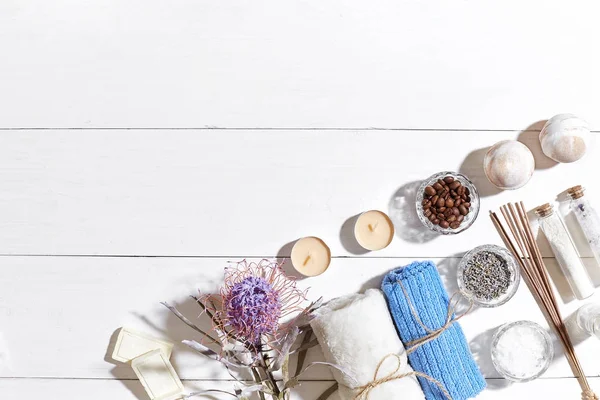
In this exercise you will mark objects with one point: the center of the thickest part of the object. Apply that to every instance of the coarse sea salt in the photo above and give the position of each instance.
(521, 351)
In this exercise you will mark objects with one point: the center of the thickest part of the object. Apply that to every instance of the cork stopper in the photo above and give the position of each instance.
(576, 192)
(544, 210)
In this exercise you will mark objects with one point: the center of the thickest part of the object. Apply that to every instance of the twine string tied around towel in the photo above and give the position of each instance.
(363, 391)
(432, 334)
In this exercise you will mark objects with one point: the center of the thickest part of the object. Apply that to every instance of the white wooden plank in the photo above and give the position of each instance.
(232, 193)
(57, 314)
(37, 389)
(384, 63)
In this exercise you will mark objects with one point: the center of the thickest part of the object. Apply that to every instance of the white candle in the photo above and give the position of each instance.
(374, 230)
(310, 256)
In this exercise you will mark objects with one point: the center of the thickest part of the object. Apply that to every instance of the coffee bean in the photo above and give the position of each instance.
(446, 202)
(454, 185)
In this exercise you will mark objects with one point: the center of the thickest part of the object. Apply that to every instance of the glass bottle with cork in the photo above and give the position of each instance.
(588, 319)
(565, 252)
(587, 217)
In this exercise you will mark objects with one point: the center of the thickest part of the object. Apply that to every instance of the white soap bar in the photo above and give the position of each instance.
(131, 344)
(158, 376)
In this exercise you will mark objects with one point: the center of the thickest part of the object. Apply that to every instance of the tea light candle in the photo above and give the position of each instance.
(310, 256)
(374, 230)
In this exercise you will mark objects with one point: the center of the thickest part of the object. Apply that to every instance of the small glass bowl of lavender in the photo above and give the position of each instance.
(488, 275)
(447, 203)
(521, 351)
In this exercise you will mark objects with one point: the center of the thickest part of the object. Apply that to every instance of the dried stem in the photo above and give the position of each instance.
(302, 353)
(258, 380)
(325, 395)
(270, 377)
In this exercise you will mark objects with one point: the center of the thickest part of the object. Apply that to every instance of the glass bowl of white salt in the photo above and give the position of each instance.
(521, 351)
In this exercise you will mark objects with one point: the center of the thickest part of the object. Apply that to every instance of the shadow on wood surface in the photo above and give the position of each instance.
(530, 137)
(348, 238)
(472, 168)
(481, 347)
(403, 213)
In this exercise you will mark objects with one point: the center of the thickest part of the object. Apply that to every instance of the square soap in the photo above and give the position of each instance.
(158, 376)
(131, 344)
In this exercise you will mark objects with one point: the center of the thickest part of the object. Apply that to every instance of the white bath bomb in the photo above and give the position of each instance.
(565, 138)
(508, 164)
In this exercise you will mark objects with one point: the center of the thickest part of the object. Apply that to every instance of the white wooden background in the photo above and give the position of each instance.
(143, 144)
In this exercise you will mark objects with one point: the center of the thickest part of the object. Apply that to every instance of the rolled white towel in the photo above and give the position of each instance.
(356, 332)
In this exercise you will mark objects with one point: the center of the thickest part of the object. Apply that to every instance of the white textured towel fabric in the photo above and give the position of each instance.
(356, 332)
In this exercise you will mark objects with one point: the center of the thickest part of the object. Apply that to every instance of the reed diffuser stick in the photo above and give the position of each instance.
(524, 247)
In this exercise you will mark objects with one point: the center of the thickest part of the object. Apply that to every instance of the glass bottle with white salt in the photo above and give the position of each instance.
(587, 217)
(565, 252)
(588, 319)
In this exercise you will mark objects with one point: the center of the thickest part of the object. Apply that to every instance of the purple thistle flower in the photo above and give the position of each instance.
(253, 301)
(253, 308)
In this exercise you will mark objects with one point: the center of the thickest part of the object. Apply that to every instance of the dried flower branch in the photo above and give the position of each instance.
(246, 319)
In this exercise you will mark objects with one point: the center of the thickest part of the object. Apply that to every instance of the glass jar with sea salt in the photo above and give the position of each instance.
(587, 217)
(521, 351)
(565, 252)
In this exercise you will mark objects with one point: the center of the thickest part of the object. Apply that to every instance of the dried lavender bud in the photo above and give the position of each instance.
(487, 276)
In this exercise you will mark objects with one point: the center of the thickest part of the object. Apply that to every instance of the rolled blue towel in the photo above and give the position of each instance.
(447, 358)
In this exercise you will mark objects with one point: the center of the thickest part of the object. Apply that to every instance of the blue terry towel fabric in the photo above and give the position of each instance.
(446, 358)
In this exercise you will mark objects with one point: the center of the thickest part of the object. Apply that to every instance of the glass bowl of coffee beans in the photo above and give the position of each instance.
(489, 275)
(447, 203)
